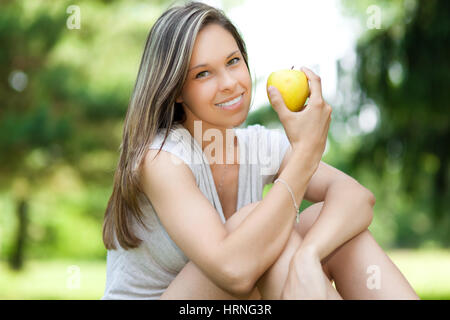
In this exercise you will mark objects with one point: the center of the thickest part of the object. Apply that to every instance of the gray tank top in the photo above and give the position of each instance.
(145, 272)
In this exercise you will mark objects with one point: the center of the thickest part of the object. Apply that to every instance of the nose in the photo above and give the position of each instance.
(227, 81)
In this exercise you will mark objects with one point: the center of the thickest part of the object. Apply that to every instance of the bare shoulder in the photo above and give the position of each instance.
(161, 165)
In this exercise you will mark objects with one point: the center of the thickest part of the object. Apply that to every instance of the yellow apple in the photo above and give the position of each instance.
(293, 86)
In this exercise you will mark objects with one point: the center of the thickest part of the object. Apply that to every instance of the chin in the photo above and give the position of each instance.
(241, 119)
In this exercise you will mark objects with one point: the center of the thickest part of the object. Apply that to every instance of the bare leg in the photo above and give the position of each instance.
(295, 276)
(362, 270)
(354, 267)
(191, 283)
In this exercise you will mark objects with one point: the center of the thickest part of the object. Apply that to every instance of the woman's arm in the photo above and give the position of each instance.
(346, 212)
(233, 261)
(347, 209)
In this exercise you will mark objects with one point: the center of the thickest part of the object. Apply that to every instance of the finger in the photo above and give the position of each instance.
(277, 102)
(315, 83)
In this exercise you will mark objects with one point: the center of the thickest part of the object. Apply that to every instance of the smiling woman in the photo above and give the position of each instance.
(194, 67)
(183, 223)
(218, 86)
(156, 104)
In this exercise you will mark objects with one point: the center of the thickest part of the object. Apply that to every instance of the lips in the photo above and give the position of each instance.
(233, 104)
(230, 100)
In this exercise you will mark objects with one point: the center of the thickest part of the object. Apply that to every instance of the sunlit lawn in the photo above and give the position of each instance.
(54, 280)
(427, 271)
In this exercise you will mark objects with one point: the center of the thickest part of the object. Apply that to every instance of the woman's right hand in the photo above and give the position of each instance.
(306, 129)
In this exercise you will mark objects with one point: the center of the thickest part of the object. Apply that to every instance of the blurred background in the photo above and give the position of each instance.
(67, 71)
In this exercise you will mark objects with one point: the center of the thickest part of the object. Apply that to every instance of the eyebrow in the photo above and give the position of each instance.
(204, 65)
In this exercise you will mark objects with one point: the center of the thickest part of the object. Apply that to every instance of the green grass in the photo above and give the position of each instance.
(426, 270)
(53, 280)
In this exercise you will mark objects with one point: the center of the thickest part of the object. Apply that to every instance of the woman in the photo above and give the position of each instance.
(186, 219)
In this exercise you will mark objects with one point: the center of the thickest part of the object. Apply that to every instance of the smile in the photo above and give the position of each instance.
(232, 103)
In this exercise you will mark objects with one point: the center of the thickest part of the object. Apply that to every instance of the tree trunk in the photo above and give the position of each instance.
(17, 254)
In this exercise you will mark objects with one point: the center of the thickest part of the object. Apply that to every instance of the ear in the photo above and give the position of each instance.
(179, 99)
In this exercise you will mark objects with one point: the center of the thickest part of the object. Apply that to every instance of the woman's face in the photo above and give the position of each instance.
(217, 74)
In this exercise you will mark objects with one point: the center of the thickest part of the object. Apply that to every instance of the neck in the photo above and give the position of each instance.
(214, 140)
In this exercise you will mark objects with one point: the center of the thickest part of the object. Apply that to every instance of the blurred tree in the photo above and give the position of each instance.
(403, 68)
(65, 90)
(52, 116)
(26, 120)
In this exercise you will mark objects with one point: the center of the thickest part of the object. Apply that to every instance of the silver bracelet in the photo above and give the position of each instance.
(293, 198)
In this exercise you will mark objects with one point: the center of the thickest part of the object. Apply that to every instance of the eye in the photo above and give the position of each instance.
(237, 60)
(199, 75)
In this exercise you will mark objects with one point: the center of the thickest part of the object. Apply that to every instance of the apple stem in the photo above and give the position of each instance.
(292, 67)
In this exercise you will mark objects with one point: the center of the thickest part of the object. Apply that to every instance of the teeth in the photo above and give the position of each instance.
(230, 102)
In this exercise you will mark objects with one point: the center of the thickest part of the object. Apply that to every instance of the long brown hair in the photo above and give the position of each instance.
(162, 72)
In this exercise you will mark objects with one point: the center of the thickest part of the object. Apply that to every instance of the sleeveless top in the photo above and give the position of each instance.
(146, 271)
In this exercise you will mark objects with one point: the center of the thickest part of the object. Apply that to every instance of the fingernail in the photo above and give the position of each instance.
(270, 89)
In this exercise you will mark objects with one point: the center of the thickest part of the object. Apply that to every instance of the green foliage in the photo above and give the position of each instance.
(403, 68)
(401, 74)
(60, 124)
(65, 220)
(62, 111)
